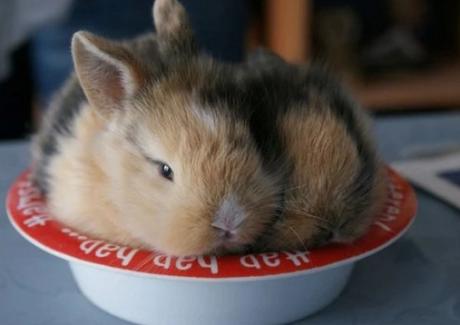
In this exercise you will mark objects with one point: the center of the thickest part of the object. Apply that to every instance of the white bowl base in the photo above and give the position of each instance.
(150, 300)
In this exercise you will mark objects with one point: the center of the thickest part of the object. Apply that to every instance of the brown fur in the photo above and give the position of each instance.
(319, 206)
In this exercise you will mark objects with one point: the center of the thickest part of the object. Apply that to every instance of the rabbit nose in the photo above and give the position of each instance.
(227, 225)
(224, 231)
(229, 218)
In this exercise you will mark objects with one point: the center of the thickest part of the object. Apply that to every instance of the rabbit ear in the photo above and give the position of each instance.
(107, 72)
(173, 28)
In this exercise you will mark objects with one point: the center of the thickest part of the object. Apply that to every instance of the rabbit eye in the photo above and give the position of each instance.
(166, 171)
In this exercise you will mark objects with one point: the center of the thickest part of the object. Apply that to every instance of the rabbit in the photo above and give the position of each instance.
(153, 144)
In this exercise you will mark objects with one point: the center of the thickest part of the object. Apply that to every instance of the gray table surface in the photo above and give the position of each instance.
(415, 281)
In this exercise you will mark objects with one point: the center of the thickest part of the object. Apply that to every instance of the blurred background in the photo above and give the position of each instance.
(396, 56)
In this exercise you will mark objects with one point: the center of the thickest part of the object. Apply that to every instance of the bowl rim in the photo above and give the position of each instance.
(410, 198)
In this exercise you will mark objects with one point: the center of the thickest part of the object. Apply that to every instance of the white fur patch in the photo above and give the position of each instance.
(208, 119)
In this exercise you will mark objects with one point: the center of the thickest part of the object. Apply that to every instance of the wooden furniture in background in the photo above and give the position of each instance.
(288, 28)
(436, 88)
(288, 32)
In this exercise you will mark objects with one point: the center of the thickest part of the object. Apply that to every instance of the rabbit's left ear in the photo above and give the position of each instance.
(107, 72)
(173, 28)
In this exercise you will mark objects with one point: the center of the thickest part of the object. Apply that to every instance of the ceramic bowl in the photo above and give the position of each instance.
(146, 287)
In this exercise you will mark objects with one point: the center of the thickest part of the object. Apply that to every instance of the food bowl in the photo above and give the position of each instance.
(150, 288)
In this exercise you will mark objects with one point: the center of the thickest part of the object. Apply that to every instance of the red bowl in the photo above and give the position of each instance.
(89, 257)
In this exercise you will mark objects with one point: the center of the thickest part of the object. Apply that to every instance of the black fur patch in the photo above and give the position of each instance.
(61, 118)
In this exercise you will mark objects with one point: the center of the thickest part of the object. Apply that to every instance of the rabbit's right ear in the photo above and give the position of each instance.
(173, 28)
